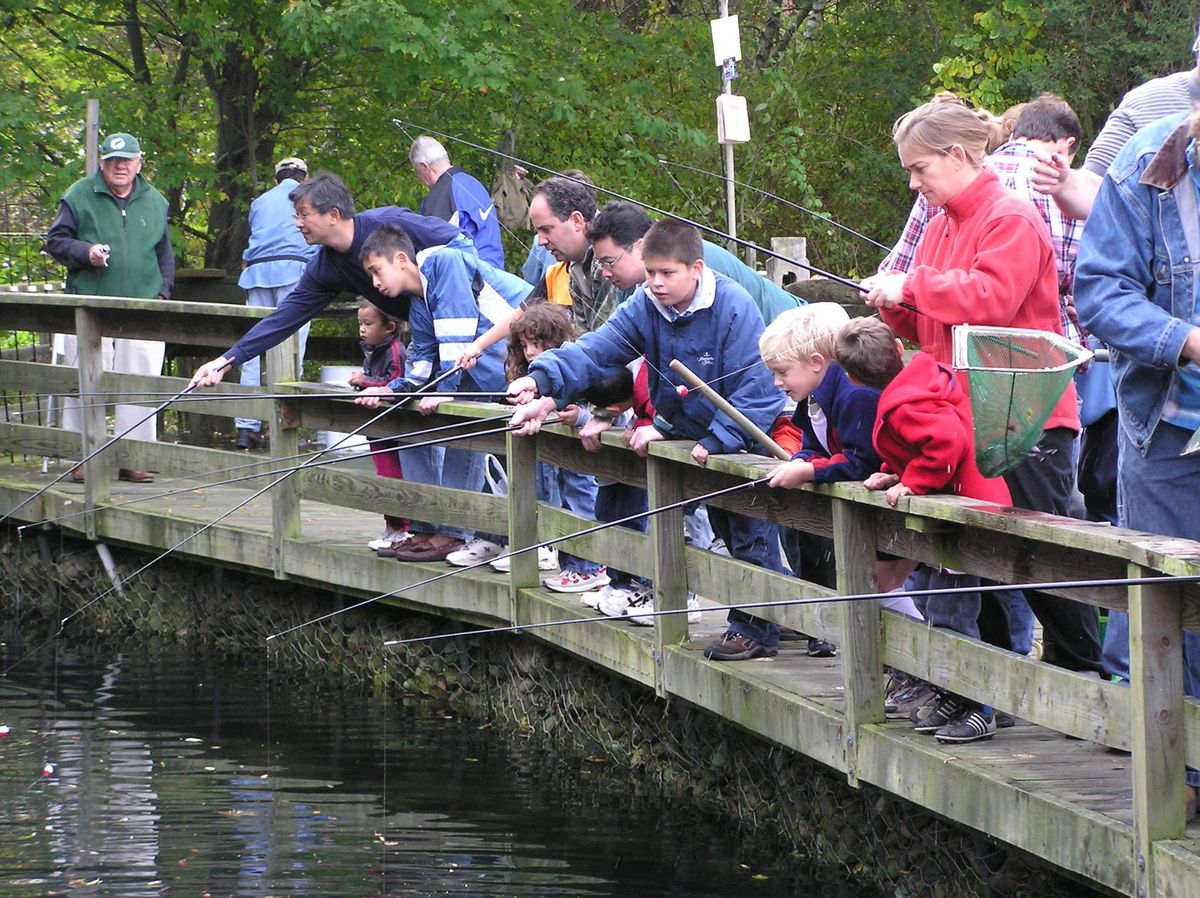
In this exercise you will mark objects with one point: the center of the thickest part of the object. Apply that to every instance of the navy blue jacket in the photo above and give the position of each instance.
(847, 452)
(331, 272)
(464, 202)
(717, 339)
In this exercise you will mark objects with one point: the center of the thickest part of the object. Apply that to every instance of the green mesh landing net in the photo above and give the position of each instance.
(1016, 378)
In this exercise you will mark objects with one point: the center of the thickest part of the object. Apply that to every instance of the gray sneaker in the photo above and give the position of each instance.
(932, 718)
(970, 726)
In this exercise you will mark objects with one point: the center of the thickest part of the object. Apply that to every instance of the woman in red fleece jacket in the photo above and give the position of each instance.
(988, 260)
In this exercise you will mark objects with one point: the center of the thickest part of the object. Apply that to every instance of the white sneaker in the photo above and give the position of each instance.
(476, 551)
(547, 560)
(616, 601)
(572, 581)
(644, 611)
(386, 538)
(594, 598)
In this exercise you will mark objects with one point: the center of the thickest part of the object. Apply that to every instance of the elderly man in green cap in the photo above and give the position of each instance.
(111, 234)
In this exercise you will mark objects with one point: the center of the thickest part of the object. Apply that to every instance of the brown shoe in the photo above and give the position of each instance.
(428, 551)
(77, 474)
(403, 542)
(135, 476)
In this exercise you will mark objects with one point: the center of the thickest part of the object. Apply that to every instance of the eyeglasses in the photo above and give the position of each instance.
(300, 216)
(610, 264)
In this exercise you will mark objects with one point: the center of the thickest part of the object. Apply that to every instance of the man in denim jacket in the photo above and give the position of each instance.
(1135, 289)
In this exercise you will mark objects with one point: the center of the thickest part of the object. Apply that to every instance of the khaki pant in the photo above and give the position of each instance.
(125, 357)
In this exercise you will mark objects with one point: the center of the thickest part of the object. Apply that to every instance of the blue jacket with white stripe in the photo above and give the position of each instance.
(717, 338)
(464, 296)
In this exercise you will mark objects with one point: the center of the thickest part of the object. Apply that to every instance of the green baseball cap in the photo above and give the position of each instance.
(120, 146)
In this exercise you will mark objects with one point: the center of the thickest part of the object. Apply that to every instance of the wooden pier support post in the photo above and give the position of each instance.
(93, 414)
(1156, 719)
(522, 516)
(285, 443)
(665, 487)
(860, 624)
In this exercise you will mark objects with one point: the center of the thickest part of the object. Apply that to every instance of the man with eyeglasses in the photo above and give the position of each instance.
(326, 218)
(111, 234)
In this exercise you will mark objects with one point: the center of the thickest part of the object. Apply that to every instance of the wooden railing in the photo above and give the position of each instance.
(1152, 718)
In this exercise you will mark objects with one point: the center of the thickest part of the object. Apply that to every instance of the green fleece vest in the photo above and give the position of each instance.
(131, 233)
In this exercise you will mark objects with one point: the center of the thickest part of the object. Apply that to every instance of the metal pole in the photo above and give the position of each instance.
(92, 137)
(730, 194)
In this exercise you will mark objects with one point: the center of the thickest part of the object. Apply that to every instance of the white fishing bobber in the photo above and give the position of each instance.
(48, 769)
(4, 730)
(682, 390)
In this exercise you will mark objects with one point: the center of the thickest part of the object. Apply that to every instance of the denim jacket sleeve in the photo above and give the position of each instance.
(1117, 294)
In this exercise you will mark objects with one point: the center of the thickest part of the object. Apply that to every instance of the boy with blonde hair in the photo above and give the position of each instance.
(835, 418)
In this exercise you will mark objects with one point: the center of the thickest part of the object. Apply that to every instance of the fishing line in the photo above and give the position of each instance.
(831, 600)
(817, 215)
(392, 407)
(98, 450)
(242, 397)
(686, 195)
(400, 123)
(270, 461)
(514, 552)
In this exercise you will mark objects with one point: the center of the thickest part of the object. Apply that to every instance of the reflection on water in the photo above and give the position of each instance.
(140, 778)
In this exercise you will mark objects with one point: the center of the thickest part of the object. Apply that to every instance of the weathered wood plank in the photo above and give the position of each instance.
(633, 548)
(1084, 707)
(93, 421)
(404, 498)
(670, 566)
(1176, 868)
(281, 365)
(737, 693)
(523, 514)
(207, 324)
(624, 650)
(949, 782)
(862, 665)
(1156, 693)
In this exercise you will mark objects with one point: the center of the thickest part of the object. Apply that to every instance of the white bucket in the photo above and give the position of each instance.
(339, 375)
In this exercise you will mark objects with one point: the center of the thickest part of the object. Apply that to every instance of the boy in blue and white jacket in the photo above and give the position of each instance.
(684, 311)
(455, 297)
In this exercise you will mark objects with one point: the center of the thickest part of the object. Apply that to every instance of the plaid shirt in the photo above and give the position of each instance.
(1013, 163)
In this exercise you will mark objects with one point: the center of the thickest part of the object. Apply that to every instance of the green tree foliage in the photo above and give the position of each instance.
(219, 89)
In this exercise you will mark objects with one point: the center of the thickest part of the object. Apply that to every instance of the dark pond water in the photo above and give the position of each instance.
(143, 778)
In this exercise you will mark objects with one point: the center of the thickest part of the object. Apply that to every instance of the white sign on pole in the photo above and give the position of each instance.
(727, 39)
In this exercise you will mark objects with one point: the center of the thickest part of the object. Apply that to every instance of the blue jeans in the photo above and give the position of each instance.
(266, 297)
(620, 500)
(575, 492)
(757, 542)
(423, 465)
(1152, 495)
(958, 612)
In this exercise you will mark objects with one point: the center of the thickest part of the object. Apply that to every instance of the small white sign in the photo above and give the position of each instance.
(733, 119)
(727, 39)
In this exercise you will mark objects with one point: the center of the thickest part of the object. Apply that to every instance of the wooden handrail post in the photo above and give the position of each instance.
(93, 417)
(1156, 718)
(664, 482)
(522, 516)
(861, 625)
(285, 496)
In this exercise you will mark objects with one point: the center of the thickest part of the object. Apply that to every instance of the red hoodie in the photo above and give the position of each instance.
(923, 433)
(989, 260)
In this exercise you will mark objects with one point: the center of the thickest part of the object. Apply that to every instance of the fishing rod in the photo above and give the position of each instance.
(846, 282)
(117, 587)
(271, 461)
(817, 215)
(515, 552)
(787, 603)
(387, 411)
(242, 397)
(101, 448)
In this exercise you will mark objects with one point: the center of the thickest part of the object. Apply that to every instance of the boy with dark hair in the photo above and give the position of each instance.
(924, 437)
(616, 234)
(455, 296)
(709, 323)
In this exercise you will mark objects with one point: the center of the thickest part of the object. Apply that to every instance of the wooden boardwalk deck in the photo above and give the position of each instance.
(1114, 820)
(1081, 792)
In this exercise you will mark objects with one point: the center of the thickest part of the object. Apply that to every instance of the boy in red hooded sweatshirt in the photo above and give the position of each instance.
(924, 438)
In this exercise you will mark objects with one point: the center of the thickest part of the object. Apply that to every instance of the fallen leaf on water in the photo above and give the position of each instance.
(759, 876)
(1024, 757)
